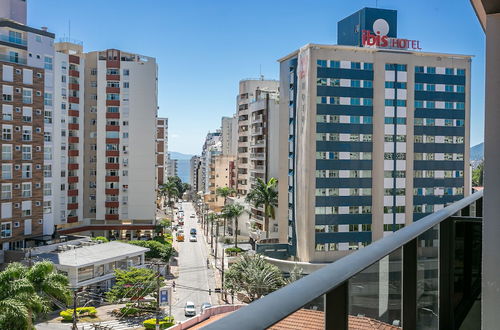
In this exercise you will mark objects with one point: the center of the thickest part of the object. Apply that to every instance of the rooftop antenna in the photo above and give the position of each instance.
(376, 3)
(260, 72)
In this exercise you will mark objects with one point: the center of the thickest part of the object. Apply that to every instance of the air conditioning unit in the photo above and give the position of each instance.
(17, 186)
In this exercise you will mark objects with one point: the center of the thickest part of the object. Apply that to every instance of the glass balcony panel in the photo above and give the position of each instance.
(428, 280)
(375, 293)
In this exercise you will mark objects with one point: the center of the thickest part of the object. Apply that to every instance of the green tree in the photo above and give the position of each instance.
(179, 185)
(133, 283)
(234, 211)
(225, 192)
(169, 191)
(265, 194)
(253, 277)
(157, 250)
(101, 239)
(26, 293)
(477, 175)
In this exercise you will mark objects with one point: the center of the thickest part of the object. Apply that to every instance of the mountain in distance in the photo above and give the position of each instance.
(179, 156)
(477, 152)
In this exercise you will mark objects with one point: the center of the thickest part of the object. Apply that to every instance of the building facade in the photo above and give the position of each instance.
(27, 59)
(248, 93)
(161, 150)
(194, 169)
(229, 135)
(377, 138)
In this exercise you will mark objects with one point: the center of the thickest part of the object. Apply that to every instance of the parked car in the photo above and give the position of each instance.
(204, 306)
(192, 238)
(189, 309)
(192, 216)
(192, 231)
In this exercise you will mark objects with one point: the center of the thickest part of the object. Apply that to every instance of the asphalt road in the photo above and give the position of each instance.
(194, 277)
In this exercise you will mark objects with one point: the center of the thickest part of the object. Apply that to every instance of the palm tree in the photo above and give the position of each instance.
(26, 292)
(211, 218)
(224, 192)
(169, 190)
(265, 194)
(234, 211)
(253, 277)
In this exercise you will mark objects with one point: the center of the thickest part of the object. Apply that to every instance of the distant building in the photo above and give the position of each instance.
(194, 169)
(171, 167)
(161, 150)
(229, 133)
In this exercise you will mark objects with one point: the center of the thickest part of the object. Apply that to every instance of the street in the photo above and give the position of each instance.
(194, 278)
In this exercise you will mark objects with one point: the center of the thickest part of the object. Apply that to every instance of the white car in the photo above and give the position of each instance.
(192, 238)
(189, 309)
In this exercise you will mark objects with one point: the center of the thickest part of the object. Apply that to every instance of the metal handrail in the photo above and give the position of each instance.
(274, 307)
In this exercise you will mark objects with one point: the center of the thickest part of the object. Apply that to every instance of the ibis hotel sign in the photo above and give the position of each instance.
(379, 39)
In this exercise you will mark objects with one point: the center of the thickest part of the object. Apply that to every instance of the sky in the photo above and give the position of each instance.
(204, 48)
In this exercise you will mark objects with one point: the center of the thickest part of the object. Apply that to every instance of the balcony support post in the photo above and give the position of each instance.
(337, 308)
(410, 285)
(446, 279)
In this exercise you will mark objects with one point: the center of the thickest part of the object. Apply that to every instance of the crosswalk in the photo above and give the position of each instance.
(113, 324)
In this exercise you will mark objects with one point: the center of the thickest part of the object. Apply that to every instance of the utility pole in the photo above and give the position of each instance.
(222, 274)
(75, 315)
(216, 236)
(158, 284)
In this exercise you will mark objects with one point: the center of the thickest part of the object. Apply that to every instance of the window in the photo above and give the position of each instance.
(7, 132)
(47, 99)
(355, 83)
(27, 133)
(368, 66)
(6, 171)
(26, 189)
(431, 69)
(6, 152)
(47, 171)
(431, 87)
(449, 71)
(460, 72)
(85, 273)
(93, 72)
(6, 229)
(26, 171)
(355, 65)
(126, 84)
(6, 191)
(27, 96)
(7, 112)
(112, 135)
(112, 96)
(47, 189)
(47, 207)
(126, 72)
(113, 109)
(48, 63)
(27, 114)
(47, 153)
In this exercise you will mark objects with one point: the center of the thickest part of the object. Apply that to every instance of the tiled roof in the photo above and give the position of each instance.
(314, 320)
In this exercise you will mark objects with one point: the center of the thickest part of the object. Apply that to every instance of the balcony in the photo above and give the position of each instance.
(73, 99)
(112, 166)
(111, 217)
(112, 115)
(111, 191)
(73, 192)
(13, 40)
(257, 131)
(111, 204)
(113, 90)
(112, 128)
(74, 59)
(73, 139)
(73, 166)
(73, 126)
(112, 178)
(72, 206)
(113, 103)
(258, 155)
(72, 219)
(72, 179)
(112, 153)
(73, 153)
(11, 59)
(74, 73)
(74, 87)
(424, 276)
(112, 140)
(74, 113)
(114, 77)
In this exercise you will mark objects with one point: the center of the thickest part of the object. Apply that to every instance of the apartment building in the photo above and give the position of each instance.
(111, 169)
(221, 167)
(378, 136)
(161, 150)
(194, 164)
(171, 166)
(249, 91)
(211, 147)
(229, 132)
(27, 56)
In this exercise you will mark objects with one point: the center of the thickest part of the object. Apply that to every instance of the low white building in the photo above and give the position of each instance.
(94, 264)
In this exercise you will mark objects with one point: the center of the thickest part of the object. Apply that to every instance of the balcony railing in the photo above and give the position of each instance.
(424, 276)
(13, 59)
(13, 40)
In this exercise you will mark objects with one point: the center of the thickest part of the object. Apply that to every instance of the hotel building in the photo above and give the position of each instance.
(377, 137)
(161, 150)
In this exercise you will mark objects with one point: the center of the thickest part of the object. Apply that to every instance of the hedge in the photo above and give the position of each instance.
(167, 322)
(67, 315)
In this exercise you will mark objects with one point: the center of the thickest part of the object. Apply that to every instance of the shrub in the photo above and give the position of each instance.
(67, 315)
(156, 249)
(233, 250)
(167, 322)
(101, 239)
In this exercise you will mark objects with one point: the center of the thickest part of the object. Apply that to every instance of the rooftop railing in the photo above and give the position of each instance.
(424, 276)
